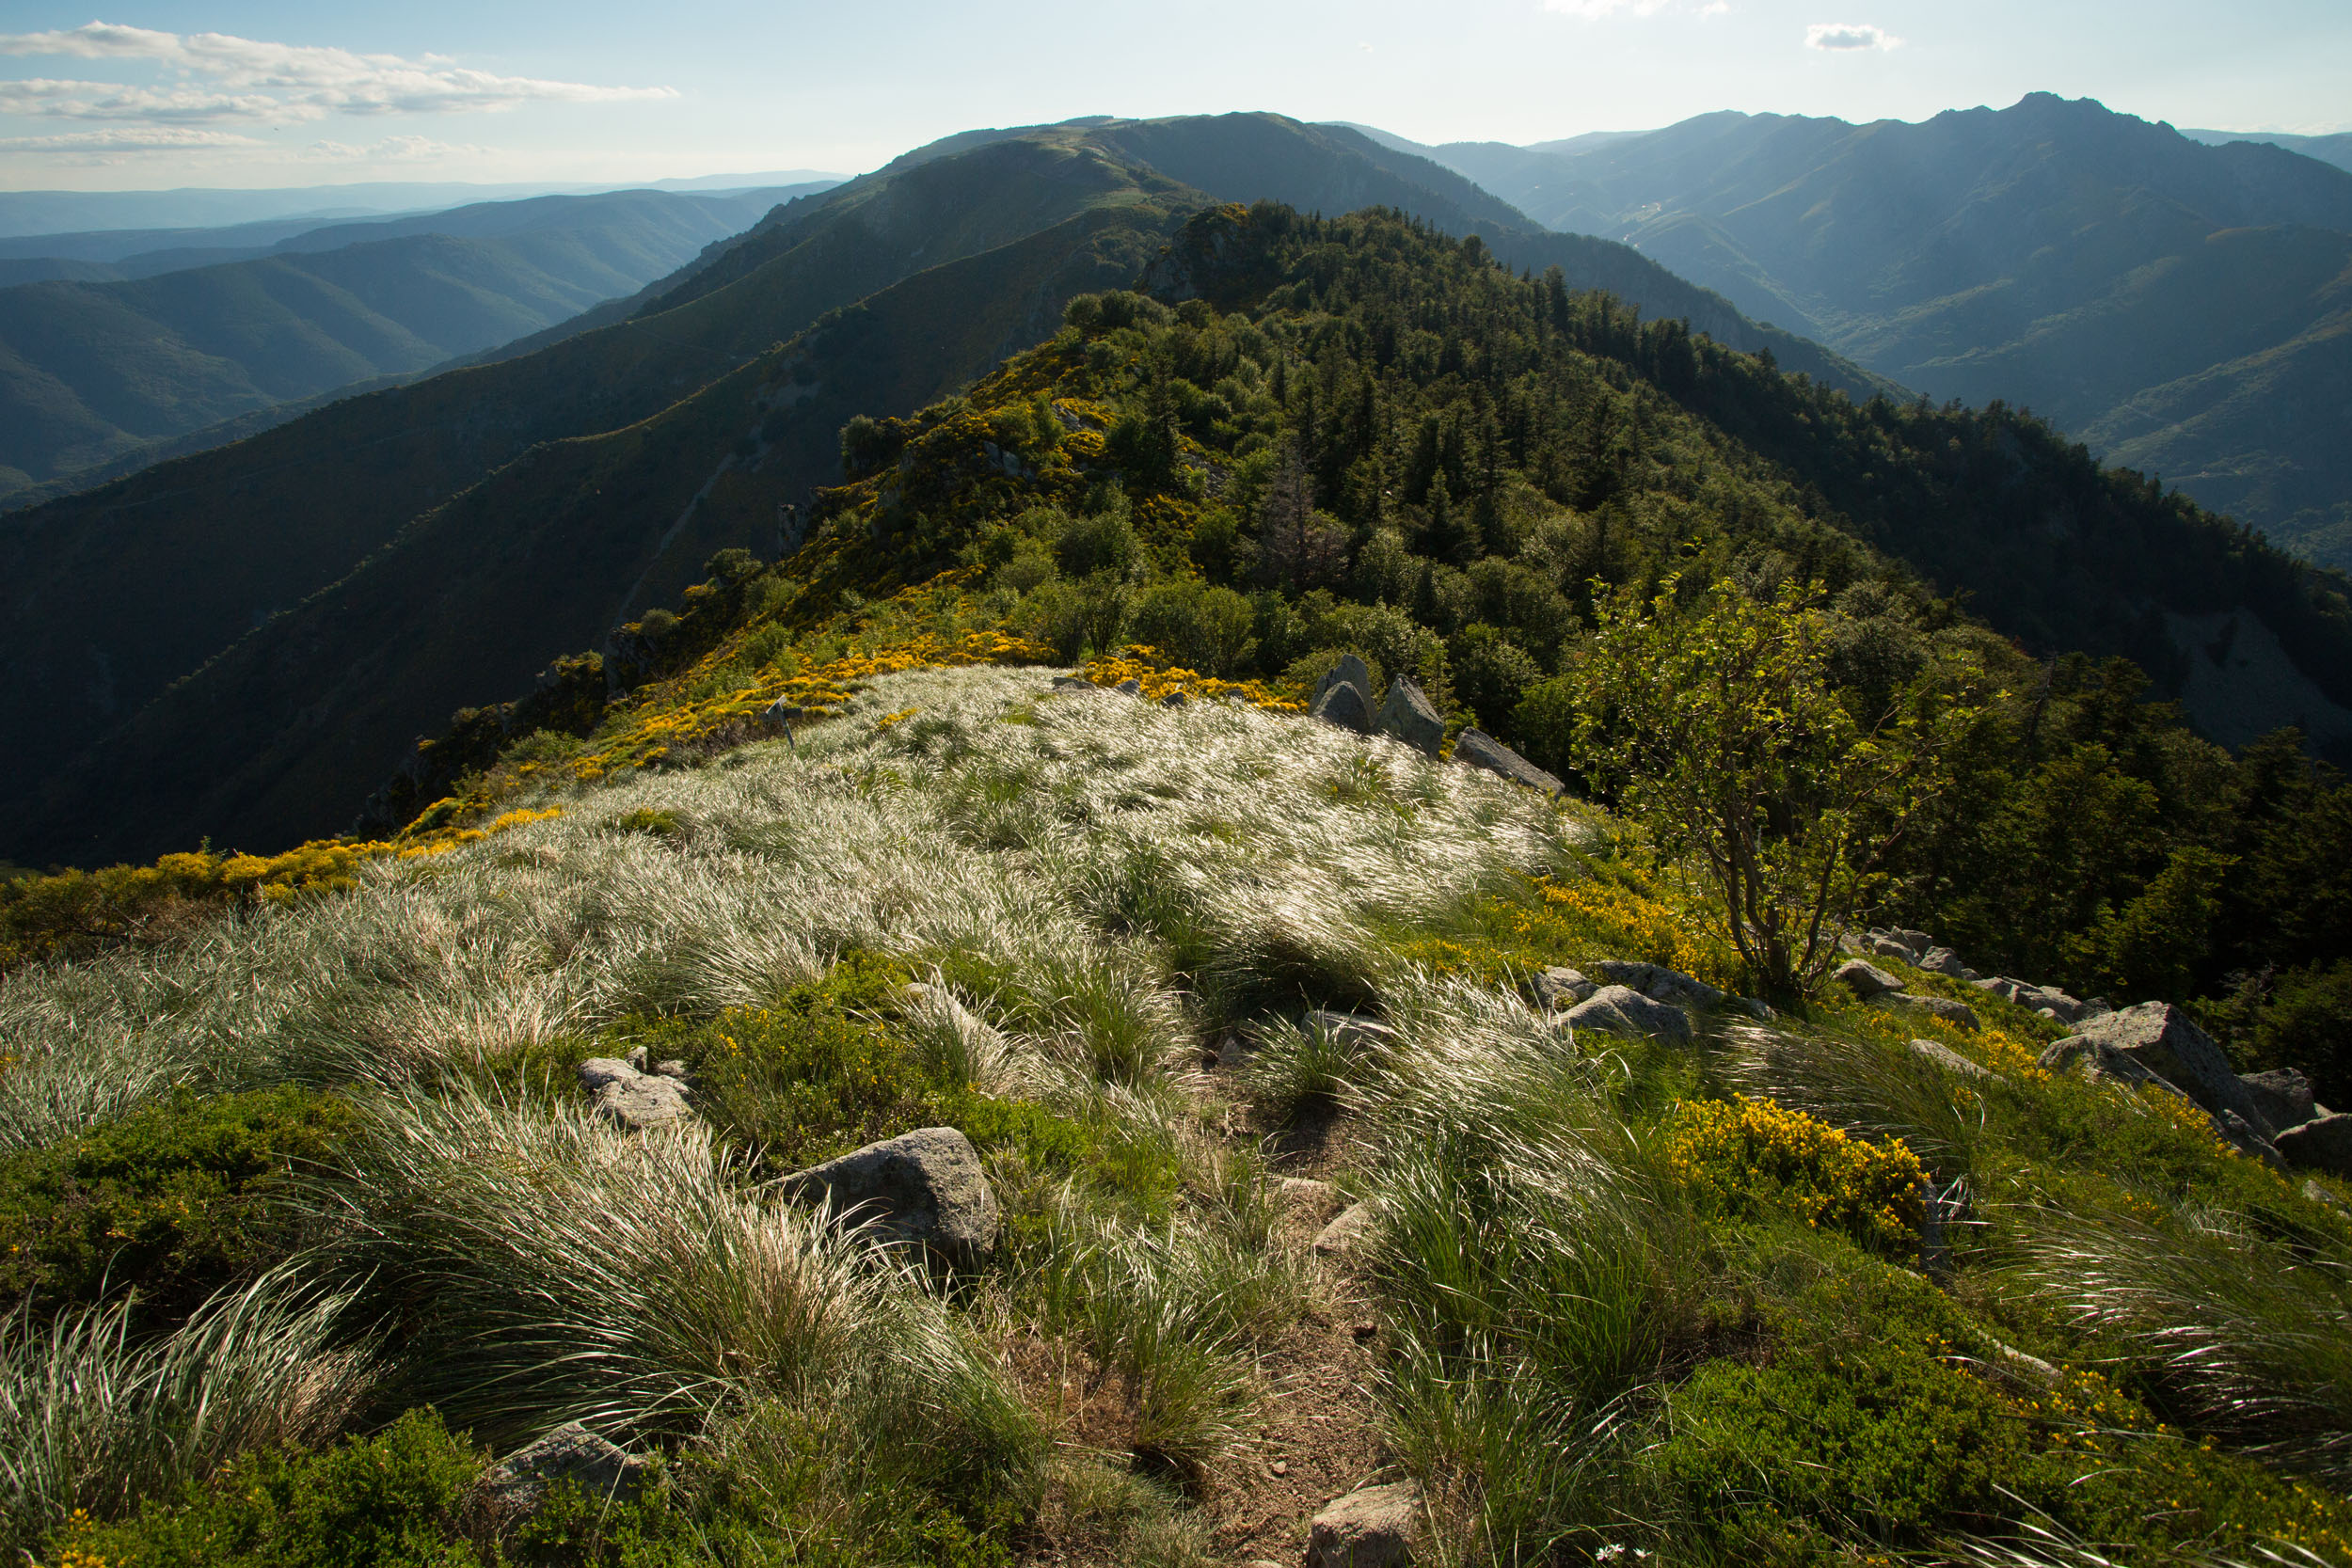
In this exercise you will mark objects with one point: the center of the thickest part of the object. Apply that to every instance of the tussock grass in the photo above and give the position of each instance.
(2247, 1323)
(94, 1418)
(559, 1269)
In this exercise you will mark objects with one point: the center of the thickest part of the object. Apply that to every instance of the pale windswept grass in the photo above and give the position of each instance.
(94, 1418)
(1262, 851)
(556, 1269)
(2251, 1329)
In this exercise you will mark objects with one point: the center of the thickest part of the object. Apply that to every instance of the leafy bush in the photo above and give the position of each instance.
(1746, 1158)
(386, 1501)
(1204, 629)
(170, 1200)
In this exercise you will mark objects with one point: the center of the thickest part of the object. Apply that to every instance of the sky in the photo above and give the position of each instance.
(261, 93)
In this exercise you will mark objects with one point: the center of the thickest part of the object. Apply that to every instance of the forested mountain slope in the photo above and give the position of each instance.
(2182, 308)
(90, 372)
(120, 593)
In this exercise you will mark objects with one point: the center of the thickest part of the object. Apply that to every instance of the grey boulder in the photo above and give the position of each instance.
(2102, 1062)
(923, 1188)
(1952, 1061)
(634, 1099)
(1375, 1527)
(2322, 1144)
(1407, 715)
(1661, 984)
(1350, 670)
(1343, 703)
(2284, 1096)
(1346, 1233)
(1557, 988)
(1480, 749)
(1129, 688)
(2162, 1038)
(518, 1484)
(1865, 979)
(1622, 1011)
(1353, 1031)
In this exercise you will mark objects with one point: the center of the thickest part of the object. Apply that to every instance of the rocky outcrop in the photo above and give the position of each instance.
(1343, 703)
(631, 1097)
(1622, 1011)
(1349, 670)
(1557, 988)
(518, 1486)
(1406, 715)
(2162, 1038)
(1952, 1061)
(1480, 750)
(1661, 984)
(2323, 1144)
(923, 1189)
(1375, 1527)
(1865, 979)
(2284, 1096)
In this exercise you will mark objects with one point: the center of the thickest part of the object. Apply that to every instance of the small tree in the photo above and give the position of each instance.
(1717, 728)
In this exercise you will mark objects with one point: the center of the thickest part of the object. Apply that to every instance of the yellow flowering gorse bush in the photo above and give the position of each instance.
(1743, 1156)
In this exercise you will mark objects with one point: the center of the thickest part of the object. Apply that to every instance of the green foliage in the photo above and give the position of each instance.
(170, 1200)
(1717, 728)
(651, 821)
(1201, 627)
(386, 1501)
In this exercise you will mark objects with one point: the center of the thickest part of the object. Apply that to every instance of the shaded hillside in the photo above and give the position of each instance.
(2152, 295)
(91, 372)
(117, 593)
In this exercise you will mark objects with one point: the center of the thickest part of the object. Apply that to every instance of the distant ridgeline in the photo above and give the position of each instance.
(1304, 437)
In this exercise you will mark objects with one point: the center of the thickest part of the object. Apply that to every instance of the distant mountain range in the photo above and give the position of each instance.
(2335, 149)
(2185, 308)
(158, 345)
(36, 213)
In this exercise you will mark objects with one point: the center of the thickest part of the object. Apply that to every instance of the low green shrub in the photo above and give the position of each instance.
(386, 1501)
(171, 1200)
(1876, 1413)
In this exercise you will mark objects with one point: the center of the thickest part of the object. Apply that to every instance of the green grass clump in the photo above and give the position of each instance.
(170, 1200)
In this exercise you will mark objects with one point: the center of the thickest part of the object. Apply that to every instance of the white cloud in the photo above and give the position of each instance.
(129, 138)
(230, 78)
(1843, 37)
(395, 149)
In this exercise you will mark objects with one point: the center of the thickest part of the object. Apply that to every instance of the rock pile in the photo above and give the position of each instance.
(2268, 1116)
(1344, 698)
(628, 1093)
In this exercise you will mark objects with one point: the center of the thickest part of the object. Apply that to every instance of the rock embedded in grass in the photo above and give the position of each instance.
(1622, 1011)
(1952, 1061)
(2162, 1038)
(1865, 979)
(1350, 670)
(1373, 1527)
(1661, 984)
(515, 1487)
(1343, 703)
(634, 1099)
(923, 1188)
(1480, 750)
(1406, 715)
(1557, 988)
(1347, 1233)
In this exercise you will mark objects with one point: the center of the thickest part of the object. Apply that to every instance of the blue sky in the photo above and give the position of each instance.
(259, 92)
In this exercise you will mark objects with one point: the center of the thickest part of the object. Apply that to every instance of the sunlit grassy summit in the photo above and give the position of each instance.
(1329, 1212)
